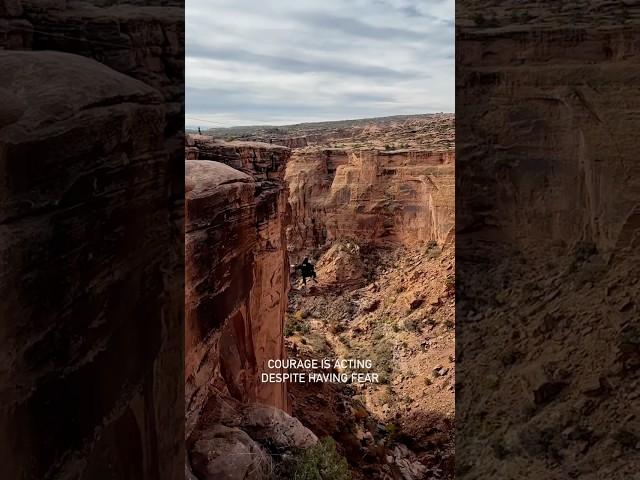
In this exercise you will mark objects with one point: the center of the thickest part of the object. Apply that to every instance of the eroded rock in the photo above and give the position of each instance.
(224, 453)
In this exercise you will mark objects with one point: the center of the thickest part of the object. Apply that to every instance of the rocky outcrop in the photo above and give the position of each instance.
(91, 282)
(239, 444)
(237, 271)
(341, 264)
(291, 142)
(228, 453)
(236, 284)
(377, 197)
(261, 160)
(237, 279)
(143, 39)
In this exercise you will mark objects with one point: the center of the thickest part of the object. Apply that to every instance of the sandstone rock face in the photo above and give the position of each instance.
(237, 280)
(89, 289)
(377, 197)
(261, 160)
(291, 142)
(557, 186)
(237, 275)
(341, 264)
(143, 39)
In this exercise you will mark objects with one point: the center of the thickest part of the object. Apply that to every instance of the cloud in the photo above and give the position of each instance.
(293, 65)
(277, 61)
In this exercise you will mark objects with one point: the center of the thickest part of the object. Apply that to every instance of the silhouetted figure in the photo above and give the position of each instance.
(199, 131)
(307, 270)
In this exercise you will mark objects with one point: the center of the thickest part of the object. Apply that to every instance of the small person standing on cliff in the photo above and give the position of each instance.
(307, 270)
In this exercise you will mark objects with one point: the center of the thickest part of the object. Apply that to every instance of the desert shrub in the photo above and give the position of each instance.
(319, 462)
(318, 343)
(392, 431)
(450, 281)
(383, 357)
(413, 325)
(289, 327)
(295, 325)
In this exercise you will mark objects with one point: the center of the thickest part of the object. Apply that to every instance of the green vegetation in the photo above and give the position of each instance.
(383, 357)
(432, 249)
(319, 462)
(450, 282)
(413, 325)
(392, 431)
(295, 324)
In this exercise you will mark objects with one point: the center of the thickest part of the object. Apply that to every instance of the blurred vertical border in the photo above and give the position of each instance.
(547, 239)
(91, 239)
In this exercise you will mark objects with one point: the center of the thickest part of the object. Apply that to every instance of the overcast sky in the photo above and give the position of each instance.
(288, 61)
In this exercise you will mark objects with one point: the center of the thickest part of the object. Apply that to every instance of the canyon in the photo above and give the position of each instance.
(550, 215)
(378, 224)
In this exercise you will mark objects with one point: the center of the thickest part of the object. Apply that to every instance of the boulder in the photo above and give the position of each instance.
(224, 453)
(275, 428)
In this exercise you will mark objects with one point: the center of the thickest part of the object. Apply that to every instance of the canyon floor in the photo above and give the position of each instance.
(371, 203)
(397, 311)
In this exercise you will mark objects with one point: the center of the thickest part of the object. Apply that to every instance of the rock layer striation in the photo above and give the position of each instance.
(402, 197)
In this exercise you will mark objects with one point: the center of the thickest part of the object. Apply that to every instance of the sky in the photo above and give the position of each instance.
(277, 62)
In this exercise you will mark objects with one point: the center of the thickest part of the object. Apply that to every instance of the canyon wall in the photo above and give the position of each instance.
(91, 283)
(565, 142)
(143, 39)
(236, 296)
(376, 197)
(237, 272)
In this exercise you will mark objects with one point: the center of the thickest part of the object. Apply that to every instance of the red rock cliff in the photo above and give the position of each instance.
(400, 197)
(237, 272)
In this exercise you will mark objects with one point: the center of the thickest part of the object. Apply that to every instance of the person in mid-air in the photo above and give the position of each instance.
(307, 270)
